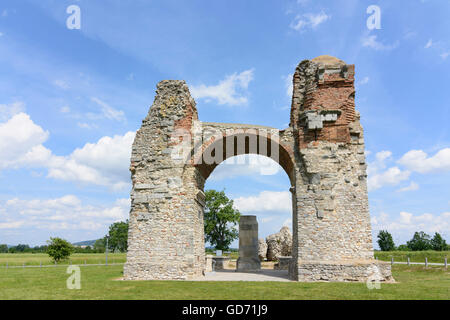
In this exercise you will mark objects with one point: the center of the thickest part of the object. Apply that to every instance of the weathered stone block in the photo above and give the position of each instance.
(248, 245)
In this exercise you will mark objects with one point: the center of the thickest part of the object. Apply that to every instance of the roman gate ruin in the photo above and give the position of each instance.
(322, 152)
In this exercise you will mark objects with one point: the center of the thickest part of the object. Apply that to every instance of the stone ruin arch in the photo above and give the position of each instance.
(230, 139)
(322, 152)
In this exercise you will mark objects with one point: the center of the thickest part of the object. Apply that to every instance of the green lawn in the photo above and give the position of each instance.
(18, 259)
(98, 282)
(415, 256)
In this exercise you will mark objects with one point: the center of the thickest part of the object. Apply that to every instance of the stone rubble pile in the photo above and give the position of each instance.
(276, 245)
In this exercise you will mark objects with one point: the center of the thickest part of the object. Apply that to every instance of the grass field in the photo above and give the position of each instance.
(30, 259)
(415, 256)
(98, 282)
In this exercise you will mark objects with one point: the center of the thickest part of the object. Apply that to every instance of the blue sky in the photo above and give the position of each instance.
(71, 100)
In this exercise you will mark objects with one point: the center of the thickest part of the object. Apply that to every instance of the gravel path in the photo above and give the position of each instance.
(231, 275)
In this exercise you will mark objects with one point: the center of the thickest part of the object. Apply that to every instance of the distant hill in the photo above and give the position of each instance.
(84, 243)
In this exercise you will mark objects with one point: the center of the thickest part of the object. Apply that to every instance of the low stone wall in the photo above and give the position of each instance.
(209, 263)
(283, 263)
(145, 271)
(220, 263)
(342, 271)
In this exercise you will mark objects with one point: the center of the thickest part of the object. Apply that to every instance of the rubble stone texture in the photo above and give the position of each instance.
(262, 249)
(248, 245)
(279, 244)
(322, 152)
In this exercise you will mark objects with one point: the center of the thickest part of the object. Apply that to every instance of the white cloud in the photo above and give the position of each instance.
(309, 20)
(409, 34)
(405, 224)
(363, 81)
(289, 85)
(412, 187)
(379, 163)
(108, 111)
(419, 161)
(245, 165)
(371, 41)
(61, 84)
(445, 55)
(67, 212)
(1, 34)
(11, 224)
(230, 91)
(405, 217)
(65, 109)
(84, 125)
(268, 219)
(429, 44)
(265, 201)
(413, 161)
(103, 163)
(19, 137)
(383, 155)
(377, 178)
(392, 176)
(7, 111)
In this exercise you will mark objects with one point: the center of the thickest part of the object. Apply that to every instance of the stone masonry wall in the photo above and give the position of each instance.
(166, 218)
(332, 221)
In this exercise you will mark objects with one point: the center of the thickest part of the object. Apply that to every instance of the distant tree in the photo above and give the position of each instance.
(438, 243)
(118, 236)
(3, 248)
(385, 241)
(59, 249)
(39, 249)
(403, 247)
(220, 220)
(22, 248)
(100, 245)
(420, 241)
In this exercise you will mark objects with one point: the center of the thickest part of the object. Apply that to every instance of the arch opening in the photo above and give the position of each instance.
(258, 187)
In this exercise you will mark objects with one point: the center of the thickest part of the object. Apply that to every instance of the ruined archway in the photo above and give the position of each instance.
(322, 151)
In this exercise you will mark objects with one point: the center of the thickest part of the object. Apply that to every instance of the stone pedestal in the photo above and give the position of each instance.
(220, 263)
(248, 245)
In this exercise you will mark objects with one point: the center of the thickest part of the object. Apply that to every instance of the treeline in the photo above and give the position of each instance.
(24, 248)
(116, 239)
(419, 242)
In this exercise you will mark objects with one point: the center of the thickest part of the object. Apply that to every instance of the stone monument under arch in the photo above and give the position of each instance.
(322, 152)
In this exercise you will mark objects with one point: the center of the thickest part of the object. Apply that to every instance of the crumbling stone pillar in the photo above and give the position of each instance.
(166, 219)
(332, 227)
(248, 245)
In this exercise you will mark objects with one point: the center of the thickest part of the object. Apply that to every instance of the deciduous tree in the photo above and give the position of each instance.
(59, 249)
(220, 220)
(420, 241)
(385, 241)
